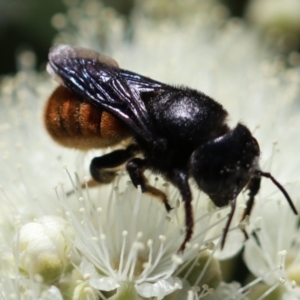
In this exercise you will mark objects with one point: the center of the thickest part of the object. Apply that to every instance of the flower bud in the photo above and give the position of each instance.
(41, 248)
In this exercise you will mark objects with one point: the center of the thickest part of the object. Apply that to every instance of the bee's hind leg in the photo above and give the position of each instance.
(104, 168)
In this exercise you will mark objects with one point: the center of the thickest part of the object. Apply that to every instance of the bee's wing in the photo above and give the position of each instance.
(98, 79)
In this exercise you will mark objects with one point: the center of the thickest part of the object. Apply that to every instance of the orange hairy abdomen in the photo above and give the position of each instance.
(73, 122)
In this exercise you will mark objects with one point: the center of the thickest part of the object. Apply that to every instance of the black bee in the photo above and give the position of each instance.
(180, 132)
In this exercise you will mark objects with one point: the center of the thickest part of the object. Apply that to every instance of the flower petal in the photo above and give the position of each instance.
(96, 280)
(160, 288)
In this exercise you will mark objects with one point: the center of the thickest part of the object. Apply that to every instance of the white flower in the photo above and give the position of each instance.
(130, 243)
(272, 253)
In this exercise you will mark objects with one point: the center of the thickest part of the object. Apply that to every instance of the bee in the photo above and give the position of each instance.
(175, 131)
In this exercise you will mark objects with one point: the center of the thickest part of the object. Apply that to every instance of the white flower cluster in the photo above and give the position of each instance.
(113, 242)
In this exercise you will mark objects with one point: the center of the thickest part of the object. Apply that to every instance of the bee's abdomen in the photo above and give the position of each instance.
(73, 122)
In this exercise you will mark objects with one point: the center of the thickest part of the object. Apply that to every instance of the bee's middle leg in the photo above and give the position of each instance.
(135, 168)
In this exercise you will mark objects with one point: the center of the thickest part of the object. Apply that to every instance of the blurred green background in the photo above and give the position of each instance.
(26, 24)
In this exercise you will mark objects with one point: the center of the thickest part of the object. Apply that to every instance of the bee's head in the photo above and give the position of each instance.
(223, 166)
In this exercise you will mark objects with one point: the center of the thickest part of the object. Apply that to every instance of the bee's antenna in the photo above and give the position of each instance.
(284, 192)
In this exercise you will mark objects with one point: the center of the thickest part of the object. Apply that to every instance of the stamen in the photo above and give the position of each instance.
(190, 295)
(147, 265)
(88, 290)
(203, 270)
(150, 246)
(268, 292)
(170, 270)
(204, 292)
(136, 209)
(124, 235)
(137, 246)
(282, 257)
(159, 255)
(191, 267)
(132, 259)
